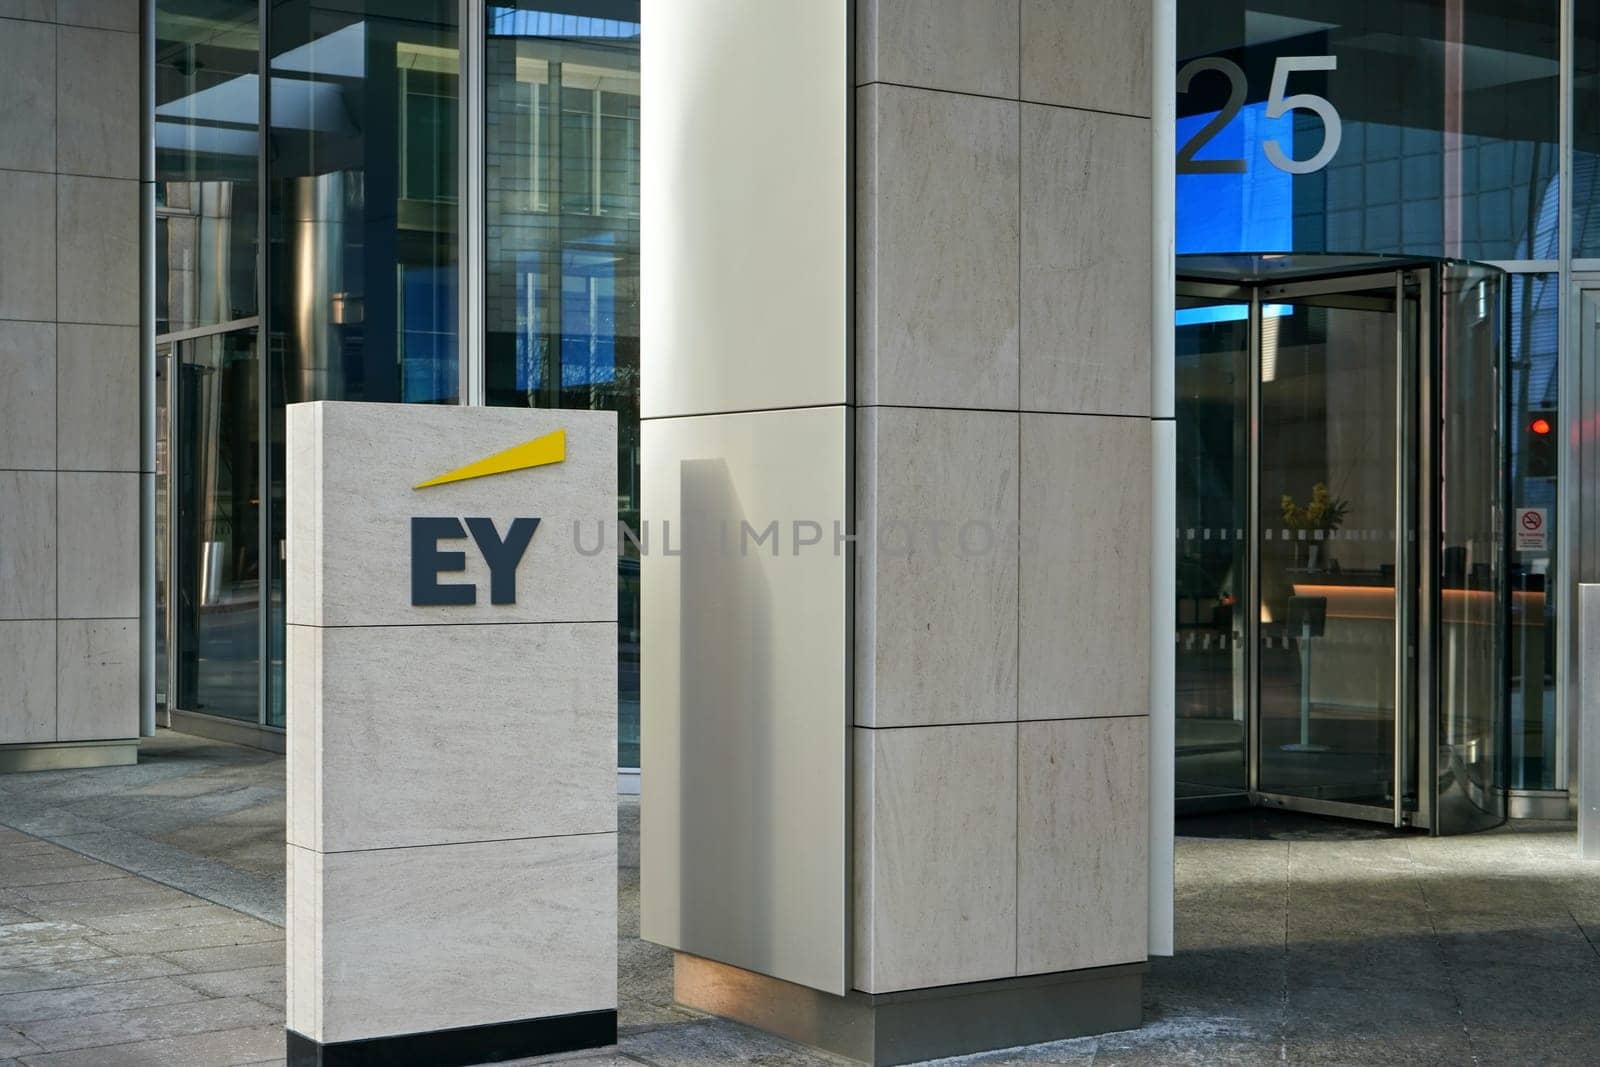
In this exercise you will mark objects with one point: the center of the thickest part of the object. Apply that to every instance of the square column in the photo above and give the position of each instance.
(981, 711)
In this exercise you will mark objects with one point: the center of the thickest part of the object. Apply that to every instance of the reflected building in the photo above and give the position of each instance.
(309, 247)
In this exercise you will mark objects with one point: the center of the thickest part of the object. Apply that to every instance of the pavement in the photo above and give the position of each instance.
(137, 927)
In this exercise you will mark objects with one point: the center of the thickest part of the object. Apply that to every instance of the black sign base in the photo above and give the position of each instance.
(462, 1046)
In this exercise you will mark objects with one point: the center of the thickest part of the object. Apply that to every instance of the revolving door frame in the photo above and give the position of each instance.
(1417, 286)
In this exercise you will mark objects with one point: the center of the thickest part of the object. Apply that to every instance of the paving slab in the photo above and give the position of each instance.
(221, 1048)
(169, 939)
(93, 999)
(148, 1023)
(246, 982)
(84, 973)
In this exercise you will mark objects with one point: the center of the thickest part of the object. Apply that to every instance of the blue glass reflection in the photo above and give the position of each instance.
(1236, 212)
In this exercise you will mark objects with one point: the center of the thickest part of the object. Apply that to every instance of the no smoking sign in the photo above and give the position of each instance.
(1533, 529)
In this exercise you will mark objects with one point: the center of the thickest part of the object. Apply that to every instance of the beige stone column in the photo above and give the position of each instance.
(70, 470)
(982, 711)
(1003, 341)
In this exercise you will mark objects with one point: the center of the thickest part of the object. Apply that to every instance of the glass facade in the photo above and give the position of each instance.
(1428, 128)
(209, 458)
(561, 205)
(1432, 129)
(316, 220)
(1212, 397)
(310, 247)
(362, 196)
(207, 131)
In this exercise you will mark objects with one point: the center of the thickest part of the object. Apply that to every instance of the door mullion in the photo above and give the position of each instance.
(1252, 599)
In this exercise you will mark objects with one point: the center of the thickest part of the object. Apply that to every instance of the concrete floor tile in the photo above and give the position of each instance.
(575, 1059)
(714, 1043)
(49, 822)
(225, 1048)
(39, 931)
(51, 953)
(193, 912)
(80, 870)
(149, 1024)
(121, 887)
(145, 898)
(93, 999)
(247, 982)
(13, 1043)
(239, 931)
(229, 958)
(83, 973)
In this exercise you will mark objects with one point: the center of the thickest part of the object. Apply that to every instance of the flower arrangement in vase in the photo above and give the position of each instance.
(1323, 512)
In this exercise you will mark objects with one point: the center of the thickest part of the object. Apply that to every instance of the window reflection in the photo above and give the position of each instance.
(1448, 120)
(215, 483)
(363, 167)
(207, 122)
(562, 218)
(362, 230)
(1586, 131)
(1535, 383)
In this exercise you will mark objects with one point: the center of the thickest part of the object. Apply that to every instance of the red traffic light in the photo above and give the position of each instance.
(1540, 426)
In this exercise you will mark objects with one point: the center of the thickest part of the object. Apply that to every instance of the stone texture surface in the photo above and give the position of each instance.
(28, 537)
(965, 46)
(1082, 843)
(1092, 54)
(97, 129)
(27, 396)
(101, 14)
(97, 679)
(936, 586)
(97, 539)
(935, 856)
(97, 250)
(69, 231)
(520, 929)
(365, 561)
(97, 428)
(28, 95)
(28, 234)
(515, 722)
(28, 665)
(1086, 262)
(451, 771)
(1085, 602)
(937, 249)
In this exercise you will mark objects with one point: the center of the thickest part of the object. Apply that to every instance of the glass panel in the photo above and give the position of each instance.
(1446, 113)
(215, 457)
(1327, 547)
(363, 199)
(1586, 131)
(163, 526)
(362, 187)
(1535, 383)
(1470, 647)
(208, 118)
(1213, 426)
(562, 222)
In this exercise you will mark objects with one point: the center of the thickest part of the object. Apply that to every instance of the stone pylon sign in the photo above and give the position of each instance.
(451, 707)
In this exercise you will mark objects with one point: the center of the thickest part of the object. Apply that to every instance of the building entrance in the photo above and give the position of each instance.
(1342, 598)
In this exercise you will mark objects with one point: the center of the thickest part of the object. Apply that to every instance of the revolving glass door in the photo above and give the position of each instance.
(1341, 592)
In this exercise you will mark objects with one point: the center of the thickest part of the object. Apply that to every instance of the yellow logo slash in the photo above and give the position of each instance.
(551, 448)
